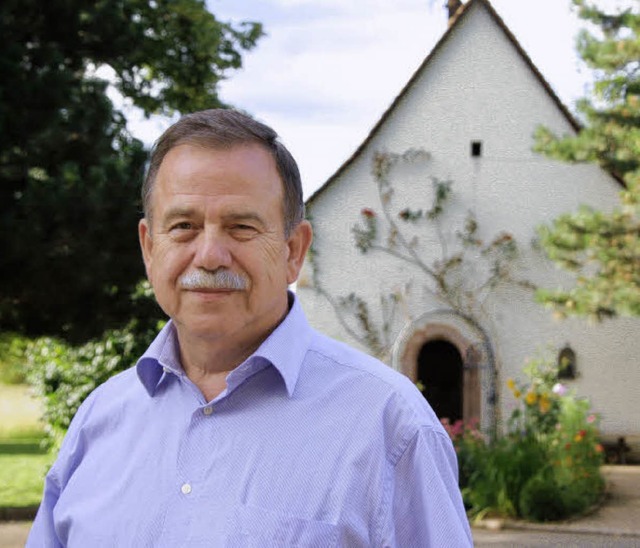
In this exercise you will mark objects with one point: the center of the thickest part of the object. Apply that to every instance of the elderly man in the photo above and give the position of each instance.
(241, 426)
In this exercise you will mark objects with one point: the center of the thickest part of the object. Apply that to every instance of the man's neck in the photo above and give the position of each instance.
(207, 360)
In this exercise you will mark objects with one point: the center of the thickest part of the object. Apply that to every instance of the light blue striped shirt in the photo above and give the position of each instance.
(312, 443)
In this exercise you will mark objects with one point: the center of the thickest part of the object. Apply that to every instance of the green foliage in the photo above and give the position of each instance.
(602, 248)
(541, 498)
(442, 189)
(69, 169)
(64, 375)
(547, 465)
(496, 473)
(13, 368)
(366, 235)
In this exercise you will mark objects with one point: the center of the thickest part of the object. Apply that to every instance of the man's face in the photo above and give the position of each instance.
(221, 210)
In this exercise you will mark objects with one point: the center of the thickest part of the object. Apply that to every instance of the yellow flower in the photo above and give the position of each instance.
(530, 398)
(517, 393)
(511, 384)
(544, 404)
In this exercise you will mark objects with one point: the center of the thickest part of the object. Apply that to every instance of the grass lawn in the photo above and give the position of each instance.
(22, 478)
(22, 461)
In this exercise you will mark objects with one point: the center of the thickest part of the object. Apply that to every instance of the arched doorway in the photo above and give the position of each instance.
(440, 372)
(463, 343)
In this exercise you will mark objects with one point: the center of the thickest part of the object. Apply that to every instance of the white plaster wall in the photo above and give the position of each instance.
(477, 87)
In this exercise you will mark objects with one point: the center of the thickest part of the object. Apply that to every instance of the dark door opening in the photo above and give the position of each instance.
(440, 371)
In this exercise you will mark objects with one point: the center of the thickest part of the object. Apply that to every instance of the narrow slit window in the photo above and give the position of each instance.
(476, 149)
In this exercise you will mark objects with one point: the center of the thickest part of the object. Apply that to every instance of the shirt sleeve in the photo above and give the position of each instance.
(426, 505)
(42, 532)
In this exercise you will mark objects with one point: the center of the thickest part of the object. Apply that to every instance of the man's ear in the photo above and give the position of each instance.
(298, 244)
(146, 244)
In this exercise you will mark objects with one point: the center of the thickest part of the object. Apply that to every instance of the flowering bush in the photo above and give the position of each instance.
(547, 465)
(64, 375)
(467, 439)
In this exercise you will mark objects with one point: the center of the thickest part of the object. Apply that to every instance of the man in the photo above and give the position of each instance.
(241, 426)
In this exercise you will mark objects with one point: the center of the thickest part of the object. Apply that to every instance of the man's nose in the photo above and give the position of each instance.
(212, 250)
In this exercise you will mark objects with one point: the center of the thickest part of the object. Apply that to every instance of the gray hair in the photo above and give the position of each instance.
(223, 129)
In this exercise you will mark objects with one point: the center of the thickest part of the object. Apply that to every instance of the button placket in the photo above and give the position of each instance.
(198, 439)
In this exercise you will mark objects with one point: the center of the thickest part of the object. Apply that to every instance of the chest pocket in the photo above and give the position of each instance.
(254, 527)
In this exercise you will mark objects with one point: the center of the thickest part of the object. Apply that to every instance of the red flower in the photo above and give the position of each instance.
(368, 212)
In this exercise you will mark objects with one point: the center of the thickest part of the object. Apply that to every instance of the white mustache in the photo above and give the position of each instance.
(217, 279)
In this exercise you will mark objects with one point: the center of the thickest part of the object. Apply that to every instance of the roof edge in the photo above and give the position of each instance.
(454, 22)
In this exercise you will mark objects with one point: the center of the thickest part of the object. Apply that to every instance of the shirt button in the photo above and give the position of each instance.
(166, 370)
(208, 410)
(186, 489)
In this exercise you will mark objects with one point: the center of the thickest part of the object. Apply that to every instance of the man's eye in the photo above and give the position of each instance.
(182, 226)
(243, 231)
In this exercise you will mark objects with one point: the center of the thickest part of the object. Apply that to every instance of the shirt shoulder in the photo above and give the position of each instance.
(385, 392)
(119, 387)
(371, 370)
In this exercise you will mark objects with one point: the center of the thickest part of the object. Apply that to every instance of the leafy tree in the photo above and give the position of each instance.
(69, 169)
(602, 248)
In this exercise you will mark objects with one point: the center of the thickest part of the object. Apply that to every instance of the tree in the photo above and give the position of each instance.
(69, 169)
(602, 248)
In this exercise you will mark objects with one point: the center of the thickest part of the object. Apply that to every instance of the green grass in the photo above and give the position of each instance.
(23, 463)
(22, 479)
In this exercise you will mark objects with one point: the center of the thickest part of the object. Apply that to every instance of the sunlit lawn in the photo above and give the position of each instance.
(22, 461)
(21, 479)
(19, 411)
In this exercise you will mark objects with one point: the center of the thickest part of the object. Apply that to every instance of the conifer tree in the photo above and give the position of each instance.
(602, 247)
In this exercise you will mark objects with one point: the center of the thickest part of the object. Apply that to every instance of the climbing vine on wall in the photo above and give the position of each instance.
(461, 277)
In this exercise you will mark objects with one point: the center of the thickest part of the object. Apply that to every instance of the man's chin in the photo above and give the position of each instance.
(204, 328)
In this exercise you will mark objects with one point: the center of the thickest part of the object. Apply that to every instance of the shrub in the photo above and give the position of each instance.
(497, 472)
(542, 499)
(13, 366)
(547, 465)
(65, 375)
(468, 442)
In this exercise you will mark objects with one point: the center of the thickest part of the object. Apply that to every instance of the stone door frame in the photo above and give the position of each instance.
(479, 372)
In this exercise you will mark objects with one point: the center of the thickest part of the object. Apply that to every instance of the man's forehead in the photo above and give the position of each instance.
(248, 160)
(249, 193)
(216, 148)
(177, 163)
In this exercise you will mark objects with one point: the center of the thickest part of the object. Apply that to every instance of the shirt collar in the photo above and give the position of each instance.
(284, 349)
(287, 345)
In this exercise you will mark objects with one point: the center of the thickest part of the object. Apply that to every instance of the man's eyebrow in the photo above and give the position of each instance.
(239, 216)
(177, 212)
